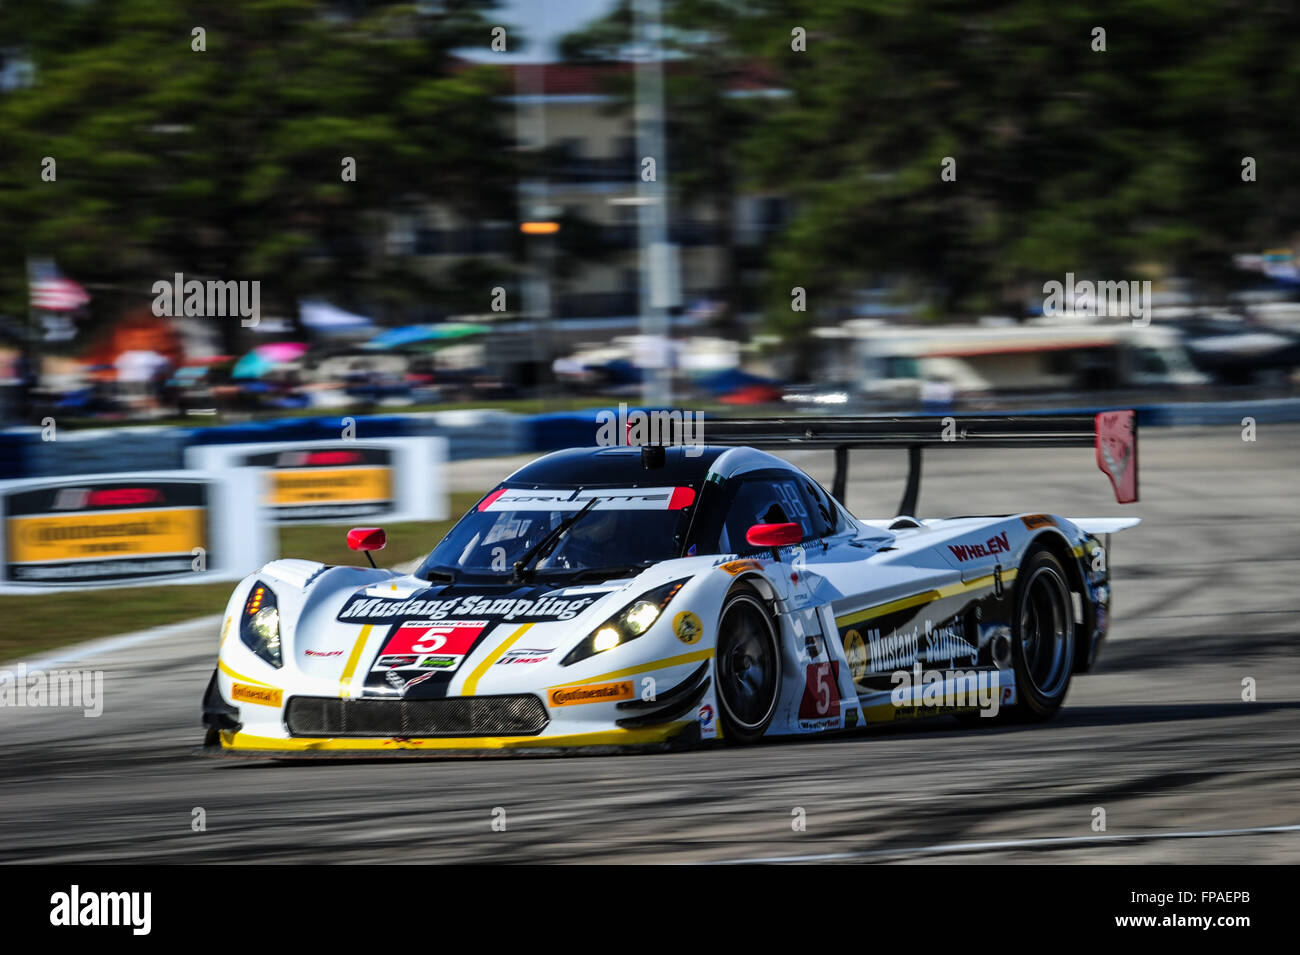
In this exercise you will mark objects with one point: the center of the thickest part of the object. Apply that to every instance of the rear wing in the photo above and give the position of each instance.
(1113, 435)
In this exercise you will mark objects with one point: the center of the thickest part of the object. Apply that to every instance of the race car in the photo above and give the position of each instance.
(606, 598)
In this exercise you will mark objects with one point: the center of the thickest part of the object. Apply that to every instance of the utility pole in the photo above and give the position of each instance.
(659, 277)
(538, 247)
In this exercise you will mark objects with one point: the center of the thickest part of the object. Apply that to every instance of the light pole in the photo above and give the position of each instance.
(659, 286)
(535, 215)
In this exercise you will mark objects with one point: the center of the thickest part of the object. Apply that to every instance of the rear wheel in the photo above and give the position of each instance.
(1042, 646)
(748, 667)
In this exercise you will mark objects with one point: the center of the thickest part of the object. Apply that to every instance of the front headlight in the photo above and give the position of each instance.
(628, 624)
(259, 625)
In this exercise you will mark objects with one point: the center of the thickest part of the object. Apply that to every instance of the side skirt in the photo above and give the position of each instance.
(960, 691)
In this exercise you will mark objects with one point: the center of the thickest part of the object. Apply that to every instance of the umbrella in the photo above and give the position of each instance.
(424, 336)
(265, 357)
(327, 318)
(734, 381)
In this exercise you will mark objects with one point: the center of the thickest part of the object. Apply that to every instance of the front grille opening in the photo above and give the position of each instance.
(520, 715)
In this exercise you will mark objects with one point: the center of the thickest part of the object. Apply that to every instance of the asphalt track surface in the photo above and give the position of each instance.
(1206, 595)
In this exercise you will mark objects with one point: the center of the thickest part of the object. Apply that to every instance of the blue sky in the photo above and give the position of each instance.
(544, 21)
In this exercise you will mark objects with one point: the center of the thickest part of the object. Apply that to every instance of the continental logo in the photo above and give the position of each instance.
(107, 534)
(600, 693)
(261, 695)
(734, 567)
(332, 485)
(1035, 521)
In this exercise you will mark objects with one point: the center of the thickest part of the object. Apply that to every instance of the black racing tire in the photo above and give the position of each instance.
(747, 667)
(1042, 638)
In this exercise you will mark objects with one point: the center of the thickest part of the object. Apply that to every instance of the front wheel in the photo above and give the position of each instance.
(1042, 646)
(748, 667)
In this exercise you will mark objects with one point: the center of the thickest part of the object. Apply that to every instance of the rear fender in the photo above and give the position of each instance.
(1085, 562)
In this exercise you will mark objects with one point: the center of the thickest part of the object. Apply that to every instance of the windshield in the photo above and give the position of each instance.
(626, 528)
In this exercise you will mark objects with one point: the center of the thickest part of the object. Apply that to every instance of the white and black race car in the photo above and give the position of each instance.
(613, 597)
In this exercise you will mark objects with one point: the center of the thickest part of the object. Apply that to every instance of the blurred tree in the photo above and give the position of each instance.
(229, 163)
(1120, 162)
(1115, 163)
(708, 71)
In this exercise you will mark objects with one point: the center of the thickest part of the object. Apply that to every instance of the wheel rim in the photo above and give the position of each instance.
(747, 666)
(1046, 631)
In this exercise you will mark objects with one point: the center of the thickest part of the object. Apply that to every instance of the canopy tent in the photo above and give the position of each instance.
(138, 330)
(732, 380)
(424, 337)
(331, 320)
(263, 358)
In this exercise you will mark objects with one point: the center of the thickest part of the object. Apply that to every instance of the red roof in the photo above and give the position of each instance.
(587, 79)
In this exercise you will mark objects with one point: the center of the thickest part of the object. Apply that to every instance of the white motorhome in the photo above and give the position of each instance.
(903, 362)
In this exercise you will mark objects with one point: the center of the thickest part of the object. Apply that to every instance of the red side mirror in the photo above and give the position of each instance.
(367, 538)
(774, 535)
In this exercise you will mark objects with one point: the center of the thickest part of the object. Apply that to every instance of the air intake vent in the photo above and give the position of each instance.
(522, 715)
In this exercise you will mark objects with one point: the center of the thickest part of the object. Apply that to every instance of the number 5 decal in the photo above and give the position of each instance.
(432, 641)
(821, 695)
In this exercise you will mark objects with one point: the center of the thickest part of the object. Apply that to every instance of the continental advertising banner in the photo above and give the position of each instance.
(129, 528)
(340, 482)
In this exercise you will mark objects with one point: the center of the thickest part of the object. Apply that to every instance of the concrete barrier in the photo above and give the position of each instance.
(98, 451)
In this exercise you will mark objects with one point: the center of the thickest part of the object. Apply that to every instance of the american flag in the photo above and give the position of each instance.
(52, 291)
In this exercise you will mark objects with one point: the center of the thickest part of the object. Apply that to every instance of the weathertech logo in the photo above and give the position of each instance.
(994, 545)
(600, 693)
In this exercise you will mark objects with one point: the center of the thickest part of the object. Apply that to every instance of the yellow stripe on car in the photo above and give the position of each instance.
(979, 583)
(917, 600)
(629, 671)
(879, 610)
(345, 680)
(631, 737)
(235, 675)
(471, 681)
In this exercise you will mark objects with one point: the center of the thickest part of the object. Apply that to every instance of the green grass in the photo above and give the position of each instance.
(41, 622)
